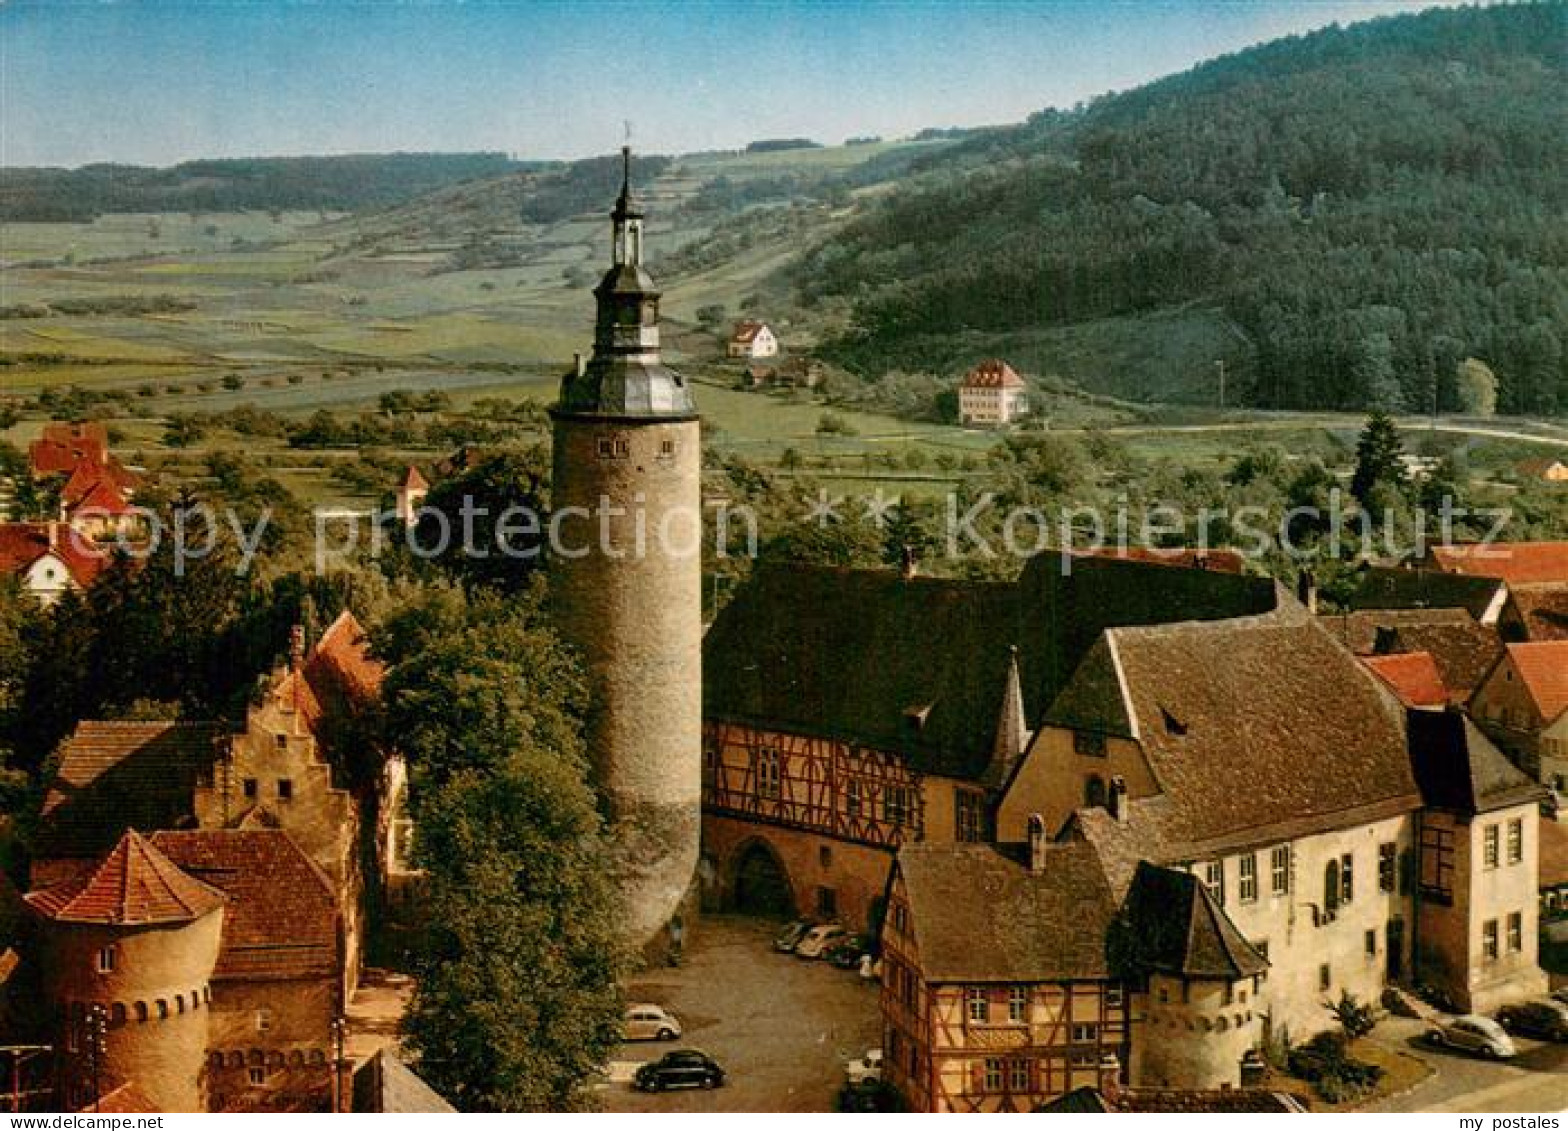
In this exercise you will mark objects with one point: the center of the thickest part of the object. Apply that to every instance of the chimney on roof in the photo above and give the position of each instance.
(1307, 590)
(1037, 843)
(53, 529)
(1110, 1079)
(296, 647)
(909, 563)
(1116, 798)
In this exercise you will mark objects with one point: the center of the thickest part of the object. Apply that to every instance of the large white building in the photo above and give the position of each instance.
(992, 395)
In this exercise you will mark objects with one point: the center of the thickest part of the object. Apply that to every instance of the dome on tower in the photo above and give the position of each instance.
(625, 377)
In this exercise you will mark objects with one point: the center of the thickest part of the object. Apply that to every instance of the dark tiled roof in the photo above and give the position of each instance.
(384, 1084)
(1255, 729)
(1463, 649)
(1543, 609)
(993, 374)
(920, 666)
(1175, 1101)
(1170, 924)
(117, 776)
(1460, 770)
(1398, 587)
(982, 916)
(134, 884)
(281, 922)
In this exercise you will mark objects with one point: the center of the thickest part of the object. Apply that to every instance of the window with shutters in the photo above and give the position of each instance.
(1279, 869)
(1247, 885)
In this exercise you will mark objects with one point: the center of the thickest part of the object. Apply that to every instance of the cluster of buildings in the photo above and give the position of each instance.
(195, 912)
(1154, 815)
(91, 493)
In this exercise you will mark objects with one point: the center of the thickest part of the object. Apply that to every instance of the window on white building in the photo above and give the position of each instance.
(1279, 869)
(1387, 866)
(1247, 888)
(1489, 940)
(1489, 846)
(1515, 841)
(1515, 932)
(1214, 880)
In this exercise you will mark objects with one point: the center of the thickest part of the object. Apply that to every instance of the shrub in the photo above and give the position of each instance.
(1325, 1063)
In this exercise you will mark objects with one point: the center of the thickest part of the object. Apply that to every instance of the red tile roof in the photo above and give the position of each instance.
(104, 497)
(1413, 676)
(135, 884)
(63, 446)
(23, 543)
(1543, 668)
(1515, 562)
(746, 331)
(281, 922)
(993, 374)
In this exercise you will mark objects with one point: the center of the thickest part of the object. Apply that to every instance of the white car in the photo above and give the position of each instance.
(651, 1023)
(1474, 1034)
(818, 939)
(868, 1069)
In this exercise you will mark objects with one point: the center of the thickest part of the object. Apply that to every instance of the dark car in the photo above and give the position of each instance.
(1545, 1020)
(683, 1068)
(846, 953)
(790, 936)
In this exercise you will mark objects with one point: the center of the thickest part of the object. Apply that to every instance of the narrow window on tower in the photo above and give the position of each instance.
(666, 449)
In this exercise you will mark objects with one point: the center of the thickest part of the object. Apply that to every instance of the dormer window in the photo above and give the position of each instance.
(1173, 725)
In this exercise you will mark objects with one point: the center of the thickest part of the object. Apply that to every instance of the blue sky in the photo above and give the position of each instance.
(159, 82)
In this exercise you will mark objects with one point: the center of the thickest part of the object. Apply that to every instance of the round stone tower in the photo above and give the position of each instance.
(628, 581)
(127, 949)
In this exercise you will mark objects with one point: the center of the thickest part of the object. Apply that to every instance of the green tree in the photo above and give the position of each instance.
(1379, 458)
(516, 1005)
(1477, 386)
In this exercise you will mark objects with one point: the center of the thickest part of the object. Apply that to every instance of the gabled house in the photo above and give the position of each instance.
(992, 394)
(849, 712)
(49, 559)
(752, 340)
(1523, 704)
(411, 492)
(1386, 588)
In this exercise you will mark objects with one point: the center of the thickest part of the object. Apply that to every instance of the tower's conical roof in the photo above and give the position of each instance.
(134, 885)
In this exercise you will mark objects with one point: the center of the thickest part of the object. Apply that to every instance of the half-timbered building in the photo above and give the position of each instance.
(850, 712)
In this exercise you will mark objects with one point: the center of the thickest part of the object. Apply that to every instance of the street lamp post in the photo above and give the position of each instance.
(339, 1038)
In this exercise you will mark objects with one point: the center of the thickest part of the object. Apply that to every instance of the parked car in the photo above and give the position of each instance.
(683, 1068)
(846, 953)
(818, 939)
(787, 939)
(868, 1067)
(869, 1095)
(650, 1023)
(1545, 1019)
(1473, 1033)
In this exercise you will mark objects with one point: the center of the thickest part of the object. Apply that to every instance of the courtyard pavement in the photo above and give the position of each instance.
(781, 1027)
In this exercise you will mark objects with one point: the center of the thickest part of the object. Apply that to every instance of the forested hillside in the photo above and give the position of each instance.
(1364, 207)
(337, 183)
